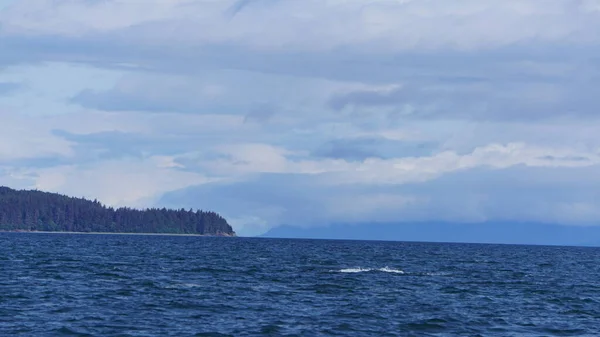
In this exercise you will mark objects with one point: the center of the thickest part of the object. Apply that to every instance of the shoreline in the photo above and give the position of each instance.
(120, 233)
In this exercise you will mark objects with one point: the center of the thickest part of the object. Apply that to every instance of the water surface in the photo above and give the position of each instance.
(119, 285)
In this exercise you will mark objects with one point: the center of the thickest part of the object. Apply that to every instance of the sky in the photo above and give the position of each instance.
(307, 112)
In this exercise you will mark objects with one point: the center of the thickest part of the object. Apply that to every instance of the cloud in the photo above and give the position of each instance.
(274, 186)
(257, 204)
(243, 159)
(257, 96)
(524, 100)
(239, 6)
(362, 148)
(133, 182)
(260, 113)
(7, 87)
(380, 41)
(325, 25)
(105, 148)
(125, 182)
(24, 137)
(82, 155)
(522, 74)
(152, 93)
(5, 3)
(92, 135)
(552, 195)
(556, 195)
(394, 95)
(116, 158)
(306, 111)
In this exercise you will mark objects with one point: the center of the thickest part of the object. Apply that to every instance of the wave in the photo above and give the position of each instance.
(354, 270)
(390, 270)
(362, 270)
(183, 285)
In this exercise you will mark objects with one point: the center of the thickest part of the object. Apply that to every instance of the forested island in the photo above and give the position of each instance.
(32, 210)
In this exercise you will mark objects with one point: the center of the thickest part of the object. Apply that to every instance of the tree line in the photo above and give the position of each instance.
(35, 210)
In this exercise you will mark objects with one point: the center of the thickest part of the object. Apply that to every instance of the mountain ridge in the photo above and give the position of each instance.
(494, 232)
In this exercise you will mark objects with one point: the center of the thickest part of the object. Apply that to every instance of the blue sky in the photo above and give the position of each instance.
(307, 112)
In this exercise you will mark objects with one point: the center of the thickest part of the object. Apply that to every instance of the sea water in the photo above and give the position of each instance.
(121, 285)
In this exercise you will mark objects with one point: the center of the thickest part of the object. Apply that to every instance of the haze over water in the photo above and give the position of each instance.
(117, 285)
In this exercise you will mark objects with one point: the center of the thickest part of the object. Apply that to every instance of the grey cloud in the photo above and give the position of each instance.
(239, 6)
(482, 26)
(261, 113)
(184, 98)
(109, 145)
(519, 82)
(146, 94)
(270, 196)
(115, 100)
(488, 85)
(353, 150)
(516, 194)
(361, 148)
(492, 100)
(256, 96)
(484, 87)
(95, 147)
(7, 178)
(347, 61)
(8, 87)
(124, 47)
(362, 98)
(40, 162)
(159, 92)
(566, 158)
(94, 51)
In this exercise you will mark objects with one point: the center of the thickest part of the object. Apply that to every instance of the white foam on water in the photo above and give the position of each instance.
(362, 270)
(183, 285)
(354, 270)
(436, 274)
(191, 285)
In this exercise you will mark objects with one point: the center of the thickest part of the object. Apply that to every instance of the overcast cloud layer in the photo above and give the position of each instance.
(307, 112)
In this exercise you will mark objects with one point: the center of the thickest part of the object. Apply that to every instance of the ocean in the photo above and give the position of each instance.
(125, 285)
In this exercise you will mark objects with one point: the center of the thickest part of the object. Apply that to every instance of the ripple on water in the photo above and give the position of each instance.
(69, 285)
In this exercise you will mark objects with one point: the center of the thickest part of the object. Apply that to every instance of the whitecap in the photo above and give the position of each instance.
(362, 270)
(354, 270)
(390, 270)
(439, 273)
(183, 285)
(191, 285)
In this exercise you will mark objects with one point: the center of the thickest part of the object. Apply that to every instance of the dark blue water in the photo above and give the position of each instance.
(117, 285)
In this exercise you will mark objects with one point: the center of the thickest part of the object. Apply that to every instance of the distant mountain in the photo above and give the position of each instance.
(43, 211)
(487, 232)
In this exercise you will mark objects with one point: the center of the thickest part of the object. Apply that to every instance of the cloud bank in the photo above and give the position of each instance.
(307, 112)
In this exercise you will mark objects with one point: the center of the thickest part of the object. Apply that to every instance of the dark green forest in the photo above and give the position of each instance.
(42, 211)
